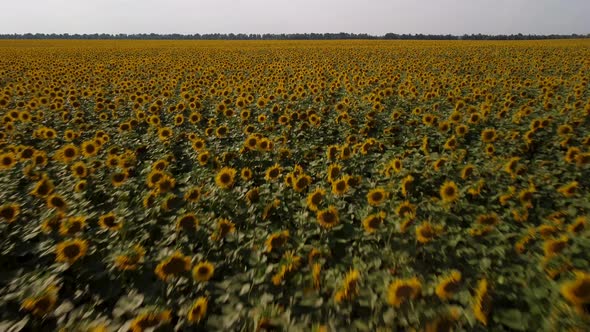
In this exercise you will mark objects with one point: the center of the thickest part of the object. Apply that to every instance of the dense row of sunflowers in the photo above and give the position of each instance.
(324, 186)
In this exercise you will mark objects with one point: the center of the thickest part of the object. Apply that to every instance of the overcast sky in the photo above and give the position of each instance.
(288, 16)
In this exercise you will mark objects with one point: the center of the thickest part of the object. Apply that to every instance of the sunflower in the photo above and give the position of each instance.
(69, 251)
(569, 189)
(118, 178)
(109, 221)
(396, 165)
(198, 310)
(349, 288)
(426, 232)
(224, 227)
(187, 222)
(340, 186)
(7, 160)
(199, 144)
(401, 290)
(510, 166)
(253, 195)
(406, 210)
(333, 172)
(173, 266)
(89, 148)
(154, 177)
(149, 320)
(301, 182)
(264, 144)
(39, 159)
(377, 196)
(56, 201)
(577, 291)
(571, 154)
(165, 133)
(448, 285)
(328, 218)
(130, 261)
(553, 247)
(405, 185)
(160, 165)
(192, 194)
(149, 199)
(203, 157)
(332, 152)
(225, 178)
(449, 192)
(68, 153)
(273, 173)
(316, 271)
(482, 302)
(246, 174)
(315, 198)
(488, 219)
(203, 271)
(42, 304)
(446, 321)
(251, 142)
(9, 212)
(72, 225)
(583, 159)
(373, 221)
(345, 152)
(438, 164)
(276, 240)
(488, 135)
(79, 169)
(43, 188)
(578, 225)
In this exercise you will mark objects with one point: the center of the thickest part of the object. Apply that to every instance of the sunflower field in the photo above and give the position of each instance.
(294, 186)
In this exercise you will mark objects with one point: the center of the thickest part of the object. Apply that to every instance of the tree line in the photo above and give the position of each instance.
(291, 36)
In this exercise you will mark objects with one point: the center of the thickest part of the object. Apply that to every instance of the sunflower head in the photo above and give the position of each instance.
(119, 178)
(577, 291)
(9, 212)
(203, 271)
(149, 319)
(198, 310)
(43, 303)
(315, 198)
(173, 266)
(69, 251)
(187, 222)
(72, 225)
(43, 188)
(224, 227)
(449, 192)
(406, 210)
(130, 260)
(377, 196)
(482, 302)
(448, 285)
(328, 218)
(340, 186)
(273, 173)
(372, 222)
(109, 221)
(276, 240)
(225, 178)
(402, 290)
(426, 232)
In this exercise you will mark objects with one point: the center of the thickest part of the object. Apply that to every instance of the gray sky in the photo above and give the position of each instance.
(288, 16)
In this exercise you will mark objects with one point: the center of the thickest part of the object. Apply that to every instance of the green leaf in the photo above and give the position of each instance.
(512, 318)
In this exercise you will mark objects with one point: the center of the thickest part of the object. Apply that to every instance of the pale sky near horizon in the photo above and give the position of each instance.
(374, 17)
